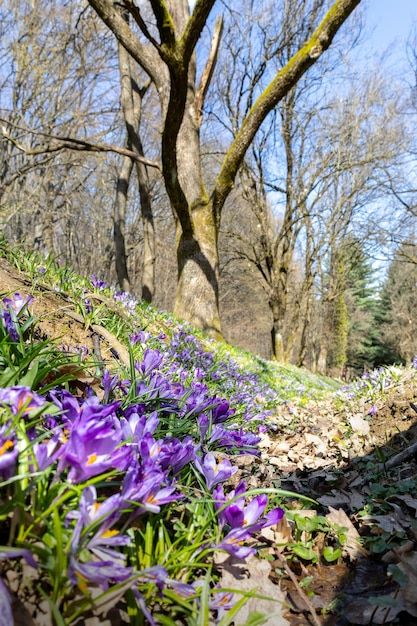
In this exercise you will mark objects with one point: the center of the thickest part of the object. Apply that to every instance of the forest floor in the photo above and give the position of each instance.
(357, 460)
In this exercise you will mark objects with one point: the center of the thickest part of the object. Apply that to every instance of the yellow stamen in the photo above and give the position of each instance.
(110, 533)
(81, 582)
(6, 446)
(224, 600)
(24, 399)
(92, 459)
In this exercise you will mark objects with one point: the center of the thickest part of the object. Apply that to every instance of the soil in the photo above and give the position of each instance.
(332, 452)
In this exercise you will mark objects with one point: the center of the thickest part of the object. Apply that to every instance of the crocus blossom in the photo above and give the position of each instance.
(101, 573)
(8, 451)
(12, 308)
(94, 444)
(144, 485)
(21, 399)
(243, 520)
(212, 471)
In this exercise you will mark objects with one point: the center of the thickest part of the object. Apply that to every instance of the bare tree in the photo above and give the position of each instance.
(55, 111)
(131, 98)
(164, 45)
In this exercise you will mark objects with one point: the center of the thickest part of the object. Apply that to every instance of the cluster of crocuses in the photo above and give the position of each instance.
(10, 309)
(187, 360)
(127, 434)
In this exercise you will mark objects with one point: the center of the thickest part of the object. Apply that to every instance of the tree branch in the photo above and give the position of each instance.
(147, 56)
(209, 69)
(283, 82)
(70, 143)
(136, 14)
(195, 26)
(165, 24)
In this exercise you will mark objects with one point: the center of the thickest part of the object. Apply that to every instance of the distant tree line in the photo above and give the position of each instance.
(244, 168)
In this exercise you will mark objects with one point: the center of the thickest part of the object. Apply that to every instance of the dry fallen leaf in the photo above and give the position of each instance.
(280, 534)
(352, 546)
(247, 576)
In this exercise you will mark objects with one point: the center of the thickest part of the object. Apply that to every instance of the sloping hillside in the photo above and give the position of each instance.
(266, 479)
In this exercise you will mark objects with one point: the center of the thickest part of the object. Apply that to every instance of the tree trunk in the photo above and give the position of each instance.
(149, 237)
(197, 297)
(131, 99)
(170, 62)
(302, 353)
(119, 219)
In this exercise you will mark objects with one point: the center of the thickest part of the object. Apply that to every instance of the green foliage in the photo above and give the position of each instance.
(307, 529)
(58, 514)
(397, 317)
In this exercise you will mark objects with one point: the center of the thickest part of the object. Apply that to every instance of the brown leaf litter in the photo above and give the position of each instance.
(331, 452)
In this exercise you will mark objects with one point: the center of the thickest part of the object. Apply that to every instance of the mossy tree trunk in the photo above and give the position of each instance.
(169, 60)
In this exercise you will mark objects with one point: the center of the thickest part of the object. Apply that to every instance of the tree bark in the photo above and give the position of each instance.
(119, 223)
(197, 216)
(197, 296)
(131, 100)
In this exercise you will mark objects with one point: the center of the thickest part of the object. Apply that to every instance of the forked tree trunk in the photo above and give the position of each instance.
(197, 297)
(169, 60)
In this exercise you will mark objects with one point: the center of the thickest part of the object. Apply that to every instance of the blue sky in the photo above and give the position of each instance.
(392, 21)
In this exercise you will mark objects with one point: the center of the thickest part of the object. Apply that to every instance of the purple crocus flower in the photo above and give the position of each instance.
(240, 439)
(12, 309)
(221, 602)
(14, 553)
(214, 472)
(227, 514)
(6, 614)
(97, 283)
(48, 452)
(8, 451)
(203, 425)
(140, 337)
(176, 454)
(144, 485)
(151, 360)
(107, 563)
(21, 400)
(244, 520)
(234, 541)
(109, 383)
(222, 411)
(169, 453)
(94, 445)
(136, 426)
(100, 573)
(95, 514)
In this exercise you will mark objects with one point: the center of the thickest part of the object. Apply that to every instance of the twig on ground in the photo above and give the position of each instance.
(303, 596)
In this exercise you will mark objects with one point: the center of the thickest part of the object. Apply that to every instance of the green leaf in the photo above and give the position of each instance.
(227, 619)
(29, 378)
(383, 601)
(256, 618)
(398, 575)
(203, 615)
(308, 554)
(49, 540)
(58, 619)
(331, 554)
